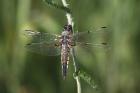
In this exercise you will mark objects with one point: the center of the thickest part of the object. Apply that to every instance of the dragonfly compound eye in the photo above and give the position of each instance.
(67, 28)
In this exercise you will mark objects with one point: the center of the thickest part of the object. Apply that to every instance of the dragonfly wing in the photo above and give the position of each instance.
(99, 36)
(49, 49)
(89, 46)
(98, 39)
(43, 43)
(37, 37)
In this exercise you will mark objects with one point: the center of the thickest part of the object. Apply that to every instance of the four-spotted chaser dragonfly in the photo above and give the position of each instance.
(53, 45)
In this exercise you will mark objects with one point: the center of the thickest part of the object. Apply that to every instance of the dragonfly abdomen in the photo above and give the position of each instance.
(64, 59)
(64, 70)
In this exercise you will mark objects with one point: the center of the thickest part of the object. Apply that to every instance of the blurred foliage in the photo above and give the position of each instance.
(114, 71)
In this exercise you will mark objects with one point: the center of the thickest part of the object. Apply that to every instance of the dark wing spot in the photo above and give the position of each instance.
(104, 43)
(104, 27)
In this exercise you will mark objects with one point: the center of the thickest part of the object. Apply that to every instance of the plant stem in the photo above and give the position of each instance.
(68, 15)
(76, 77)
(70, 22)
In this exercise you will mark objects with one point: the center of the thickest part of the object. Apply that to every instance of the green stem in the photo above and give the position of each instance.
(76, 76)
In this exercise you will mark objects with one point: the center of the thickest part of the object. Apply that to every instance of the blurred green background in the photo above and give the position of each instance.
(115, 71)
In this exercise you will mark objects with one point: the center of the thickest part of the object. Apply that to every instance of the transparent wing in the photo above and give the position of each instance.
(97, 38)
(37, 37)
(49, 49)
(92, 44)
(43, 43)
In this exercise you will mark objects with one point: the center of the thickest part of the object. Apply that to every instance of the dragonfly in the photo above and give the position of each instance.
(53, 44)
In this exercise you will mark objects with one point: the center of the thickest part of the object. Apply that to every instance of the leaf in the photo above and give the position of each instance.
(55, 5)
(87, 78)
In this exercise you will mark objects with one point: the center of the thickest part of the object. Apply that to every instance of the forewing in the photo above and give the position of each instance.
(37, 37)
(99, 38)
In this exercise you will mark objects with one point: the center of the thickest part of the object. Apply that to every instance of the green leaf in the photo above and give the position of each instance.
(55, 5)
(87, 78)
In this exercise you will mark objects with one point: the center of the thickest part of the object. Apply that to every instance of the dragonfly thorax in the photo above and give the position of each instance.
(65, 33)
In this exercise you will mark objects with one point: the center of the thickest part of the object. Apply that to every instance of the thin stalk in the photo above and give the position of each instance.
(76, 77)
(68, 14)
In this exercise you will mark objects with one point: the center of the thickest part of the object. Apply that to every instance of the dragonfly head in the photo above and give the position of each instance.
(68, 28)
